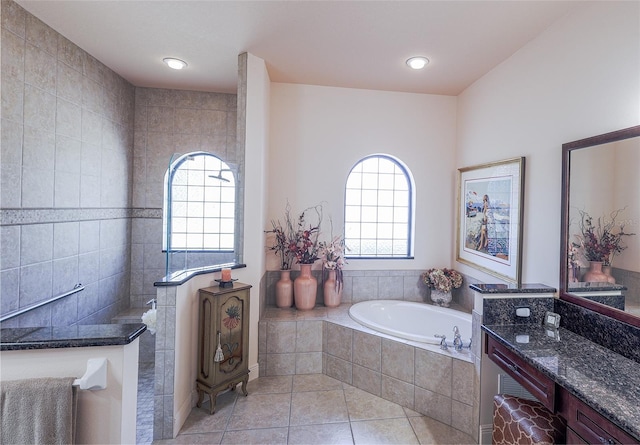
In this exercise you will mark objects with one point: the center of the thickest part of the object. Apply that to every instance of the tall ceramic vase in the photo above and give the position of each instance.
(595, 274)
(305, 287)
(284, 290)
(607, 271)
(332, 290)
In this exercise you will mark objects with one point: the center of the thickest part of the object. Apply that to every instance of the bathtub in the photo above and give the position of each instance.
(412, 321)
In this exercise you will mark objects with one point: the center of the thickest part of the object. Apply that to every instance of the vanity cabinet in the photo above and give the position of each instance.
(534, 381)
(223, 319)
(584, 425)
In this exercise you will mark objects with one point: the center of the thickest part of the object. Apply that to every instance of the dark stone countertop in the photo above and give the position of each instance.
(594, 287)
(17, 339)
(606, 381)
(531, 288)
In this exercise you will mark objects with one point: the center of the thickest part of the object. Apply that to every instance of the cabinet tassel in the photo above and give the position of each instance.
(219, 354)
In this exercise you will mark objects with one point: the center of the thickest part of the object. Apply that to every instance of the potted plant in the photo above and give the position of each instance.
(600, 243)
(281, 247)
(305, 247)
(332, 255)
(441, 282)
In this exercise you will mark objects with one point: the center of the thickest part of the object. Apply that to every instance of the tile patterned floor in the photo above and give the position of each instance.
(144, 419)
(310, 409)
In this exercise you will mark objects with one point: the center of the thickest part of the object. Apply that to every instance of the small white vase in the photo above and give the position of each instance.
(441, 298)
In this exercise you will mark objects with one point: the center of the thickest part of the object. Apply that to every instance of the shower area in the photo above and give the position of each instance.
(187, 207)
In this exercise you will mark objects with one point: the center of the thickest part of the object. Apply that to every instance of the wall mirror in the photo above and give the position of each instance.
(601, 190)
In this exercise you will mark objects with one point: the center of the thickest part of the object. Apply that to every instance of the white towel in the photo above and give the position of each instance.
(41, 411)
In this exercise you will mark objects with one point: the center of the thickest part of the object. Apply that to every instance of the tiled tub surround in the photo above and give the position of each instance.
(364, 285)
(439, 384)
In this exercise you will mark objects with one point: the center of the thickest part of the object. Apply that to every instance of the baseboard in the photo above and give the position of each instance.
(485, 434)
(254, 372)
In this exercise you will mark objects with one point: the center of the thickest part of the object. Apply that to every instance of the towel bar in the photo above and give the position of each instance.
(95, 377)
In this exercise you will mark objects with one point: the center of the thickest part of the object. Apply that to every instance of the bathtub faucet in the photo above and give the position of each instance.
(443, 342)
(457, 339)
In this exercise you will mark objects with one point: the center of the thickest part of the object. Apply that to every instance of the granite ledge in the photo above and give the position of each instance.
(19, 339)
(182, 276)
(601, 378)
(532, 288)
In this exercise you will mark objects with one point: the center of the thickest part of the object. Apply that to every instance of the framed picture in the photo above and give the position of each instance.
(490, 209)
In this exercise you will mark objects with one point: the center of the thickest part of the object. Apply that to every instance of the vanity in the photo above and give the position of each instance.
(588, 369)
(594, 389)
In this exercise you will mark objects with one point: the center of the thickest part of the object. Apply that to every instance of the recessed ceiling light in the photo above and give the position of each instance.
(417, 63)
(176, 64)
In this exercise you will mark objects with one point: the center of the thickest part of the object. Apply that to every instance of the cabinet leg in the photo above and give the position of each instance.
(212, 401)
(245, 380)
(200, 398)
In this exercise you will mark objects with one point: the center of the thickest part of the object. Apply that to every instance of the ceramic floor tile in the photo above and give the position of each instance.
(200, 421)
(385, 431)
(260, 411)
(365, 406)
(430, 431)
(334, 434)
(198, 438)
(270, 384)
(316, 407)
(315, 382)
(275, 436)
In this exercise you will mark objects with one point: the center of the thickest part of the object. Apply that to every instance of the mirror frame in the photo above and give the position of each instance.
(567, 148)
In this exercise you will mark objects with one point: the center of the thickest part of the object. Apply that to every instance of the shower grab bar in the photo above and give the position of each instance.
(77, 288)
(95, 377)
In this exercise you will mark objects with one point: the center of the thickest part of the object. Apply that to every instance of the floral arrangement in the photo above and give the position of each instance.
(297, 241)
(601, 241)
(442, 280)
(304, 243)
(282, 240)
(332, 255)
(150, 318)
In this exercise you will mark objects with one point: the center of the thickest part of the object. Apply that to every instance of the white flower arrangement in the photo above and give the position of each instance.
(149, 318)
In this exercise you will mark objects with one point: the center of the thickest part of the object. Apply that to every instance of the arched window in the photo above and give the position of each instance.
(199, 210)
(378, 209)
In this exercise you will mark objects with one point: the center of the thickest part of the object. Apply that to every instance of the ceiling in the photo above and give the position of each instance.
(352, 44)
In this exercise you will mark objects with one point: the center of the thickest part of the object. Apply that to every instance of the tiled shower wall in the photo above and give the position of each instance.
(169, 122)
(67, 145)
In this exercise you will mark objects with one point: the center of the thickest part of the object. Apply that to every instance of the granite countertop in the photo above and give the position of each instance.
(17, 339)
(606, 381)
(527, 288)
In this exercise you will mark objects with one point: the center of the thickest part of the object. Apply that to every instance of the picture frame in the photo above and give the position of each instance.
(490, 218)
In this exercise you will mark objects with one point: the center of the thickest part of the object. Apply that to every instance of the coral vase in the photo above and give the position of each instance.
(607, 271)
(595, 273)
(332, 290)
(305, 288)
(284, 290)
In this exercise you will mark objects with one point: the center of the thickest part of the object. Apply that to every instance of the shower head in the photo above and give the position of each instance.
(219, 176)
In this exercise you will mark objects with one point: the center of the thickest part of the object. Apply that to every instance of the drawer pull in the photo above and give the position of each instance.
(512, 368)
(606, 441)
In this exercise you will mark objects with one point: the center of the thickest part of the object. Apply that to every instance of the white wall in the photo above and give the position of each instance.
(256, 189)
(319, 133)
(103, 416)
(579, 78)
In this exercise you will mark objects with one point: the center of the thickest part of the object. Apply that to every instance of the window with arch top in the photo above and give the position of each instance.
(199, 210)
(378, 209)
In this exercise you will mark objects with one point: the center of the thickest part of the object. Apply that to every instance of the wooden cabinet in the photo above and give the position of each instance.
(534, 381)
(586, 425)
(223, 318)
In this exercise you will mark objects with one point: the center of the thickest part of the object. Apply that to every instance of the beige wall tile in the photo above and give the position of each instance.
(367, 379)
(398, 391)
(398, 360)
(433, 372)
(433, 405)
(367, 350)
